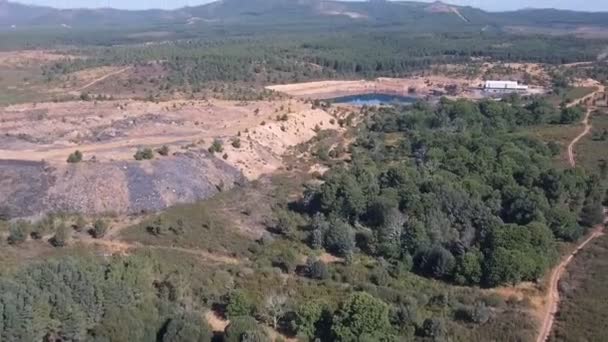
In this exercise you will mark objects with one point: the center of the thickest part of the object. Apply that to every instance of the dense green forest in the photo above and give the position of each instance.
(77, 299)
(193, 64)
(455, 193)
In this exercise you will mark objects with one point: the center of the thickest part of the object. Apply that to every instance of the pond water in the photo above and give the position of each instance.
(374, 99)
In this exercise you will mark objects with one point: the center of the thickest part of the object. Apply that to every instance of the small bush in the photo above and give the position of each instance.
(18, 232)
(318, 270)
(163, 151)
(100, 228)
(322, 153)
(80, 224)
(144, 154)
(236, 143)
(245, 328)
(75, 157)
(216, 146)
(239, 304)
(61, 236)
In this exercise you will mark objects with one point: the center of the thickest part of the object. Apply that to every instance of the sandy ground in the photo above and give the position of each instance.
(114, 130)
(327, 89)
(420, 86)
(27, 58)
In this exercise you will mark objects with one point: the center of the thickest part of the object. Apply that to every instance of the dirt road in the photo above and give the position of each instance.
(556, 275)
(586, 130)
(92, 83)
(117, 246)
(553, 295)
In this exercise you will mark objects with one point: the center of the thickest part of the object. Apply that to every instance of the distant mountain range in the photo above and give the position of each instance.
(377, 12)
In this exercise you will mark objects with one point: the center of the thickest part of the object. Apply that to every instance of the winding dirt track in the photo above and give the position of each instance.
(553, 296)
(586, 130)
(92, 83)
(122, 246)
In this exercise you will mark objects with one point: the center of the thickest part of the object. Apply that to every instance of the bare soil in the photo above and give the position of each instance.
(417, 86)
(421, 86)
(36, 140)
(28, 58)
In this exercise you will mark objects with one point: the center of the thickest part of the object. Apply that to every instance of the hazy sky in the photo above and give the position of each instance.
(492, 5)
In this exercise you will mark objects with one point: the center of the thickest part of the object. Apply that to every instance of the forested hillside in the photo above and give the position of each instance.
(416, 16)
(440, 220)
(454, 192)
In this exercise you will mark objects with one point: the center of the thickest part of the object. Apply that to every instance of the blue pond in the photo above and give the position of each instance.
(374, 99)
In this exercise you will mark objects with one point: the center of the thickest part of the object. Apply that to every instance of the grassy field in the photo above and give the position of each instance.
(584, 308)
(570, 95)
(584, 305)
(592, 149)
(578, 92)
(560, 134)
(20, 85)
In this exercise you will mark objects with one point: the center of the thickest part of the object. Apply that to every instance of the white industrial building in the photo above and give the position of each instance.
(504, 86)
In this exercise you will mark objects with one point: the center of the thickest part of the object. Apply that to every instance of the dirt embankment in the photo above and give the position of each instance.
(121, 187)
(36, 140)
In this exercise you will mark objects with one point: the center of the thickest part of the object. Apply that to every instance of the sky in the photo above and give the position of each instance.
(490, 5)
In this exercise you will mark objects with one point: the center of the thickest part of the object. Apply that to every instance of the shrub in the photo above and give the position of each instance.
(286, 222)
(317, 270)
(144, 154)
(216, 146)
(286, 260)
(239, 304)
(478, 314)
(236, 143)
(433, 327)
(75, 157)
(18, 232)
(340, 238)
(163, 151)
(494, 300)
(570, 115)
(245, 328)
(61, 236)
(322, 153)
(187, 328)
(80, 224)
(362, 314)
(100, 228)
(555, 148)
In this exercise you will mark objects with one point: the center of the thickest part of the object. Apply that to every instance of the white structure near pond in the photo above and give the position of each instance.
(504, 86)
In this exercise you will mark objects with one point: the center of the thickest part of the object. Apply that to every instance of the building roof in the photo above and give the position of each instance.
(504, 85)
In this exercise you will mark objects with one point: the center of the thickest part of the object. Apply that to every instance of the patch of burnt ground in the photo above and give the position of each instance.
(121, 187)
